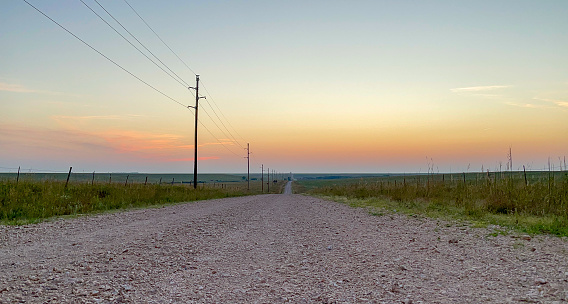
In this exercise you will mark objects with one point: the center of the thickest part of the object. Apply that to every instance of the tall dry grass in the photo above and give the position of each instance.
(475, 196)
(31, 201)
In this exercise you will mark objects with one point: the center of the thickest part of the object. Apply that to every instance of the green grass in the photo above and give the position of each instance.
(30, 201)
(538, 206)
(150, 178)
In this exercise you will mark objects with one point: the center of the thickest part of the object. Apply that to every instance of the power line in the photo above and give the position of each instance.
(221, 121)
(159, 37)
(184, 84)
(107, 58)
(173, 52)
(224, 134)
(181, 79)
(212, 99)
(219, 141)
(127, 71)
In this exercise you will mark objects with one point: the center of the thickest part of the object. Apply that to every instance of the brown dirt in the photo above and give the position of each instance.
(273, 249)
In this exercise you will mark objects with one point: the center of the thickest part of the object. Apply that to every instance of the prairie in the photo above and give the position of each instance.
(533, 203)
(35, 198)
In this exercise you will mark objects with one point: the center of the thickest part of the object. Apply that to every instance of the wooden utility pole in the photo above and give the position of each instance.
(248, 166)
(195, 141)
(197, 97)
(268, 180)
(262, 178)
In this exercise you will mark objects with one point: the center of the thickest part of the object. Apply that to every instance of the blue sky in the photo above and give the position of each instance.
(322, 86)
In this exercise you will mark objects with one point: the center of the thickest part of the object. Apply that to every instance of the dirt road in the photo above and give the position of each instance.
(274, 249)
(288, 188)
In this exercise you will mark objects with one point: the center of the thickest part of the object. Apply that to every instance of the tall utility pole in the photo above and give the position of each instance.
(197, 97)
(248, 166)
(262, 178)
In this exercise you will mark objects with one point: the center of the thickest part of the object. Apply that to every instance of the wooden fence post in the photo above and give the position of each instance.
(68, 175)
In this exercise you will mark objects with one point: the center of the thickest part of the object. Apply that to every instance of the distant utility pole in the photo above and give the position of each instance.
(197, 97)
(268, 180)
(248, 166)
(262, 178)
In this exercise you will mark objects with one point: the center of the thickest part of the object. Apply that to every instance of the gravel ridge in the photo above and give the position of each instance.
(275, 249)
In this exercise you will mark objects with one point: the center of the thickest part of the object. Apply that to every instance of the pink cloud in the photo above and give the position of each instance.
(190, 159)
(44, 143)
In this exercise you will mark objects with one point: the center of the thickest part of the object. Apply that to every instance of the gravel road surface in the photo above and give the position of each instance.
(274, 249)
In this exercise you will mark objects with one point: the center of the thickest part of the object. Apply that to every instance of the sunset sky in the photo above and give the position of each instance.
(313, 86)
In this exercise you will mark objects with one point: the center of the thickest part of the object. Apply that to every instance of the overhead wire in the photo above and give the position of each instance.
(132, 74)
(186, 65)
(212, 99)
(106, 57)
(222, 144)
(132, 35)
(159, 37)
(184, 84)
(126, 39)
(221, 121)
(207, 113)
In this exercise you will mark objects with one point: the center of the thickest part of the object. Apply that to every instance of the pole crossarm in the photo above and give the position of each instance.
(195, 139)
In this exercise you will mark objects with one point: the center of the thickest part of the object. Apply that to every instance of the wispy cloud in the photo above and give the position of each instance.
(33, 140)
(559, 103)
(479, 88)
(527, 105)
(8, 87)
(17, 88)
(96, 117)
(102, 145)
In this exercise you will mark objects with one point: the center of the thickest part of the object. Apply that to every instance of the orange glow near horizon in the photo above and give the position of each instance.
(410, 85)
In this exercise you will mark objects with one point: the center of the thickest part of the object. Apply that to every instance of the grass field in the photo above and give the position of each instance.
(133, 177)
(535, 204)
(31, 200)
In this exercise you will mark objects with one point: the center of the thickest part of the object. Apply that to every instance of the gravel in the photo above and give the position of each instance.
(275, 249)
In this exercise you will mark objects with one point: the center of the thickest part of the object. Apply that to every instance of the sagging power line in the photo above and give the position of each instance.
(159, 37)
(106, 57)
(228, 133)
(182, 82)
(228, 122)
(179, 79)
(202, 85)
